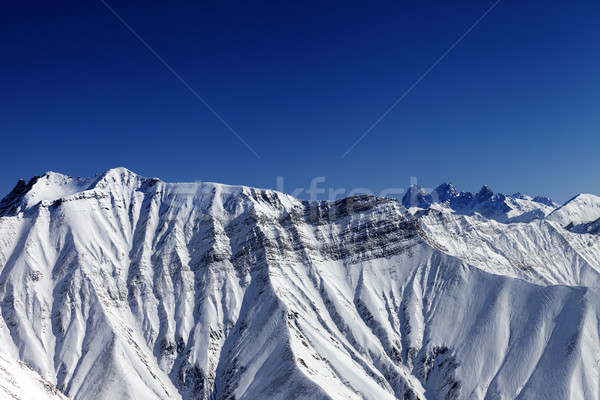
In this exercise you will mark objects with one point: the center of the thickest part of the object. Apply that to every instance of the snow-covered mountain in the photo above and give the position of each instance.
(581, 209)
(119, 286)
(499, 207)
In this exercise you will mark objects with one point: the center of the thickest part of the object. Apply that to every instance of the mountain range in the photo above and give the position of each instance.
(121, 286)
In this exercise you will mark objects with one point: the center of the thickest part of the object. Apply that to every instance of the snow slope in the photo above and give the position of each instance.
(539, 252)
(20, 381)
(581, 209)
(119, 286)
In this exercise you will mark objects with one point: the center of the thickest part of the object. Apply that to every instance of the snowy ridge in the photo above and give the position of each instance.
(500, 207)
(540, 252)
(581, 209)
(119, 286)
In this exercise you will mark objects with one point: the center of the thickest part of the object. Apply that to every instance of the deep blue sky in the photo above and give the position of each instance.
(515, 105)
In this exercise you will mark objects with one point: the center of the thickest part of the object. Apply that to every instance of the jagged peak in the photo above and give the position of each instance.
(498, 206)
(415, 196)
(446, 186)
(10, 203)
(444, 192)
(485, 193)
(19, 187)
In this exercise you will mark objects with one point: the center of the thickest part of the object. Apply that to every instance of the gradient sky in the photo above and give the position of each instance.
(515, 105)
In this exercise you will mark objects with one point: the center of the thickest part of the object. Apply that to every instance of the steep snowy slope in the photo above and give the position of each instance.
(540, 252)
(581, 209)
(20, 381)
(119, 286)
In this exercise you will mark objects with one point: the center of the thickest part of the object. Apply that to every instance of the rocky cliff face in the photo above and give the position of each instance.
(119, 286)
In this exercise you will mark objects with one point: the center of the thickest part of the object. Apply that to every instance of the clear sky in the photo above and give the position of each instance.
(515, 104)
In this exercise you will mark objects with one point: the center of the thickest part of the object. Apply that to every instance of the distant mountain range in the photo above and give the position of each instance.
(119, 286)
(581, 209)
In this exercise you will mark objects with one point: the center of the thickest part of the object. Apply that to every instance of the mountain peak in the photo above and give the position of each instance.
(119, 176)
(50, 186)
(55, 176)
(446, 186)
(119, 172)
(545, 200)
(444, 192)
(415, 196)
(500, 207)
(581, 209)
(521, 196)
(485, 193)
(10, 203)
